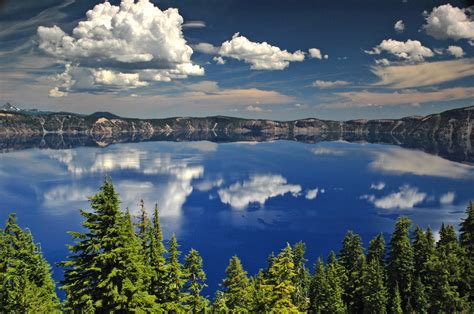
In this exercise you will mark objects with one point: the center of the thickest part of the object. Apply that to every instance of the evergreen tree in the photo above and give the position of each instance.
(319, 290)
(262, 293)
(352, 259)
(376, 250)
(143, 225)
(419, 296)
(219, 305)
(159, 278)
(374, 292)
(396, 304)
(445, 270)
(175, 282)
(301, 280)
(335, 277)
(466, 237)
(26, 285)
(196, 278)
(400, 262)
(281, 277)
(106, 271)
(237, 286)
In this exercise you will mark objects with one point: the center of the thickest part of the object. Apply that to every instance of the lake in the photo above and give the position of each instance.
(241, 198)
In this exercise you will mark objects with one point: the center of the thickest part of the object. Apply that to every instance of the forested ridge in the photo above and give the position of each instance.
(122, 264)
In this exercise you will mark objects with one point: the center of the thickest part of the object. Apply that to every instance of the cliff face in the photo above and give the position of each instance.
(449, 132)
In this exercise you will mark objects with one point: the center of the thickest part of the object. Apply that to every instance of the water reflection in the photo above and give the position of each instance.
(234, 198)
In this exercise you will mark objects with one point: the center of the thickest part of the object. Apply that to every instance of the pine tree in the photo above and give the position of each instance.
(335, 277)
(445, 270)
(352, 259)
(376, 250)
(400, 262)
(106, 271)
(236, 286)
(466, 239)
(262, 293)
(26, 285)
(175, 282)
(195, 282)
(374, 291)
(319, 290)
(301, 280)
(396, 304)
(419, 296)
(219, 305)
(143, 225)
(281, 275)
(157, 261)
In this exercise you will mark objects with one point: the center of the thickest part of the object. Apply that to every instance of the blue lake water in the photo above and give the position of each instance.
(246, 199)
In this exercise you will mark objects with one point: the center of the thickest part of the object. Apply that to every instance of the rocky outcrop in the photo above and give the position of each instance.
(446, 133)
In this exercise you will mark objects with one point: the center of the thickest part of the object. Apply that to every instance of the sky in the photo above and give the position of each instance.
(276, 59)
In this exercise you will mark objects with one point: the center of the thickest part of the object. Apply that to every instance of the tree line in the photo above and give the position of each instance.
(122, 264)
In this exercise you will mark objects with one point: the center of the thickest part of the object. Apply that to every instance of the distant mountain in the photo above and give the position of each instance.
(9, 107)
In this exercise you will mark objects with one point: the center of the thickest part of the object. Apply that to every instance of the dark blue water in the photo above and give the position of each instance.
(245, 199)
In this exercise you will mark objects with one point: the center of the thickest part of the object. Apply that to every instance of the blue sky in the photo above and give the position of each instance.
(281, 59)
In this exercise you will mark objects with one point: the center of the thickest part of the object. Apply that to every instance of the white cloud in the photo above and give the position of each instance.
(329, 84)
(448, 22)
(55, 92)
(194, 24)
(258, 189)
(206, 48)
(327, 151)
(382, 61)
(410, 50)
(251, 108)
(377, 186)
(219, 60)
(406, 198)
(315, 53)
(456, 51)
(261, 56)
(401, 161)
(123, 45)
(447, 198)
(312, 194)
(399, 26)
(207, 185)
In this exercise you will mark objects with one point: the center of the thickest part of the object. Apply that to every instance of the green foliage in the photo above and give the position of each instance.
(176, 280)
(195, 282)
(396, 303)
(400, 263)
(374, 292)
(352, 259)
(236, 286)
(466, 239)
(25, 276)
(106, 271)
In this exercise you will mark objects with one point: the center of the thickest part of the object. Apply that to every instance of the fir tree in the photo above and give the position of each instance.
(236, 286)
(175, 282)
(335, 277)
(220, 303)
(400, 263)
(301, 280)
(26, 285)
(106, 271)
(196, 278)
(319, 291)
(396, 303)
(281, 275)
(376, 250)
(159, 278)
(352, 259)
(374, 292)
(419, 296)
(466, 237)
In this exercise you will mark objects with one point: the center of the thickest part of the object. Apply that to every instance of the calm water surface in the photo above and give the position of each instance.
(243, 198)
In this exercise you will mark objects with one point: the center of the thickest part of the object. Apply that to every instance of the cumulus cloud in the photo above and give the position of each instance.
(456, 51)
(218, 60)
(410, 50)
(399, 26)
(206, 48)
(261, 56)
(258, 189)
(312, 194)
(329, 84)
(207, 185)
(447, 198)
(122, 46)
(402, 161)
(448, 22)
(315, 53)
(377, 186)
(423, 74)
(406, 198)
